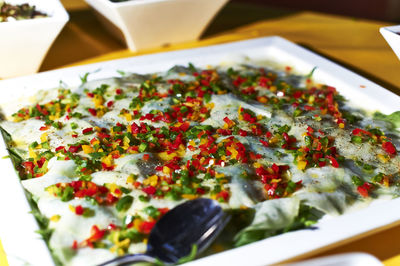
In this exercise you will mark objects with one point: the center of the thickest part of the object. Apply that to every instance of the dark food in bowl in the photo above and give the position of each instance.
(10, 12)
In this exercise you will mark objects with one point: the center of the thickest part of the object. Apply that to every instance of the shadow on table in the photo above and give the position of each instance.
(360, 72)
(82, 38)
(235, 15)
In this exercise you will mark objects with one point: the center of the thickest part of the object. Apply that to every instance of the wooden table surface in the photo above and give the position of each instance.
(353, 43)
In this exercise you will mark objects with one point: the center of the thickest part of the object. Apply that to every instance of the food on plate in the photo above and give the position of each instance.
(10, 12)
(104, 161)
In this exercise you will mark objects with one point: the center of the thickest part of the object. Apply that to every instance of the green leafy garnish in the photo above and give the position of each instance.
(124, 203)
(393, 119)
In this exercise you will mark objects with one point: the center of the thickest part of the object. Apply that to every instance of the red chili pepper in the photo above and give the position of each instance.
(96, 234)
(150, 190)
(75, 184)
(28, 166)
(319, 146)
(203, 110)
(363, 191)
(92, 111)
(42, 110)
(247, 117)
(135, 128)
(79, 210)
(224, 132)
(60, 148)
(329, 98)
(191, 148)
(87, 130)
(41, 162)
(357, 131)
(263, 81)
(185, 126)
(265, 143)
(43, 128)
(257, 130)
(117, 191)
(389, 148)
(223, 194)
(118, 91)
(239, 80)
(242, 133)
(111, 226)
(331, 89)
(200, 191)
(73, 149)
(107, 168)
(297, 94)
(163, 210)
(316, 156)
(103, 135)
(109, 104)
(275, 168)
(286, 137)
(145, 227)
(110, 199)
(334, 163)
(309, 108)
(116, 155)
(75, 245)
(227, 120)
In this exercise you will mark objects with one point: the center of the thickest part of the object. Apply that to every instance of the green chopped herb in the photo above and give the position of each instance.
(143, 147)
(356, 180)
(74, 125)
(67, 194)
(152, 211)
(124, 203)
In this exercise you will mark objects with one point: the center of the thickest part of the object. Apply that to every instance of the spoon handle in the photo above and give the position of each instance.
(128, 259)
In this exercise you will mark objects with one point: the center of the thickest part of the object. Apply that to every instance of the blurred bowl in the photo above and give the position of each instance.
(24, 43)
(392, 36)
(154, 23)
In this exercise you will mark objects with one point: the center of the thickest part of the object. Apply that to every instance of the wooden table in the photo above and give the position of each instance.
(353, 43)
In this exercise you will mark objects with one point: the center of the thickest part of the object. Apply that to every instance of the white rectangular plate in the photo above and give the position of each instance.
(17, 226)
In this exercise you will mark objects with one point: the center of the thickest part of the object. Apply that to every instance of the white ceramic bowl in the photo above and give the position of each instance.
(154, 23)
(392, 36)
(24, 43)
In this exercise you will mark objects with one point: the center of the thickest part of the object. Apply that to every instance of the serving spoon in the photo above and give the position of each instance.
(195, 222)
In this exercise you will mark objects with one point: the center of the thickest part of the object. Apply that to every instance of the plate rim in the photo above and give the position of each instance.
(273, 41)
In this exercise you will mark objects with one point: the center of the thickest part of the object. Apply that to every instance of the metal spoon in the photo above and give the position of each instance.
(195, 222)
